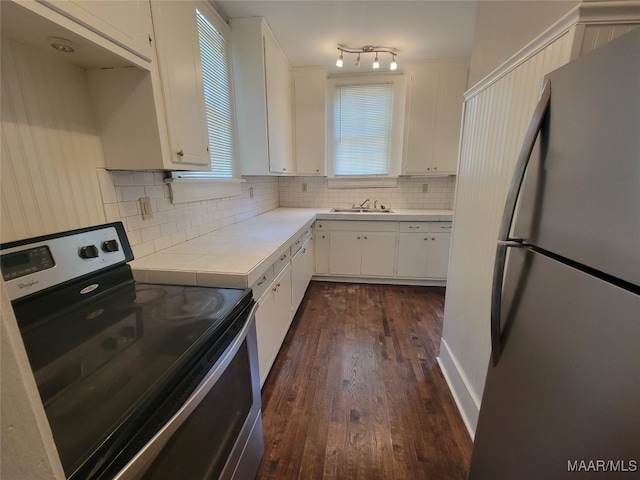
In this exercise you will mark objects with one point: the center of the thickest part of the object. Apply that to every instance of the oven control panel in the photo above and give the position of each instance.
(29, 266)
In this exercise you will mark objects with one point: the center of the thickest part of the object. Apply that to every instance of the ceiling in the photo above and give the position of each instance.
(309, 31)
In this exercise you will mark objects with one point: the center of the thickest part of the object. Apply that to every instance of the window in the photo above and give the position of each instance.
(362, 129)
(217, 95)
(365, 126)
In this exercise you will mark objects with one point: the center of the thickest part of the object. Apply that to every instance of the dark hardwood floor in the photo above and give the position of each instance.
(356, 392)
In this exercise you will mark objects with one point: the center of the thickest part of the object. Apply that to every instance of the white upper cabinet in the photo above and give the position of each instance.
(262, 80)
(433, 117)
(178, 49)
(126, 23)
(309, 107)
(156, 119)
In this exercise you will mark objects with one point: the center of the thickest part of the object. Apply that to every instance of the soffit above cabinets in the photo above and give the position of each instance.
(32, 30)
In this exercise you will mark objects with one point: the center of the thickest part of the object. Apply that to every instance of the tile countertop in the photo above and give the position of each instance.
(237, 255)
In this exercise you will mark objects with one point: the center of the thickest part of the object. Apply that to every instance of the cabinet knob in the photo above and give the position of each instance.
(433, 238)
(428, 168)
(435, 168)
(365, 238)
(317, 170)
(180, 153)
(426, 238)
(284, 169)
(358, 238)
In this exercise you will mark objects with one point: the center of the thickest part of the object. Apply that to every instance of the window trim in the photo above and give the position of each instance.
(397, 130)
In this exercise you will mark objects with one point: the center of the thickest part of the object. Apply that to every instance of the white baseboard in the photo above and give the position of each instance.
(468, 404)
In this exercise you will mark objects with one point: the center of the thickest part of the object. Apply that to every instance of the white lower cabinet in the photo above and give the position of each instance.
(345, 253)
(321, 245)
(302, 267)
(423, 254)
(382, 249)
(378, 254)
(273, 318)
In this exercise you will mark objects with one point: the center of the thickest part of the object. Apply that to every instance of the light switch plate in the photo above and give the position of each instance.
(145, 206)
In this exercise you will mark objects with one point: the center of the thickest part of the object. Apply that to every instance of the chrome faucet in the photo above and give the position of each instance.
(366, 202)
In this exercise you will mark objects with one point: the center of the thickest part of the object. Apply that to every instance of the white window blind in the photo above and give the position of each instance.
(217, 96)
(362, 129)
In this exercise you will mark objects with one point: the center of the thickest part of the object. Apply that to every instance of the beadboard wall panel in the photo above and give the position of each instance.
(495, 121)
(50, 148)
(594, 36)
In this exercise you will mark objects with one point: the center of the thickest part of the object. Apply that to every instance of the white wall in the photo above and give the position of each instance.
(504, 27)
(408, 193)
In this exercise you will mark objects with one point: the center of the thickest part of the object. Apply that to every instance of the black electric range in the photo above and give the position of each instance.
(113, 359)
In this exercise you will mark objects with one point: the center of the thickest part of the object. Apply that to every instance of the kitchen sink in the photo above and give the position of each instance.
(360, 210)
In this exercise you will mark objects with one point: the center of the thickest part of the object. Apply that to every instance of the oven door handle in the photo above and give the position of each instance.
(145, 457)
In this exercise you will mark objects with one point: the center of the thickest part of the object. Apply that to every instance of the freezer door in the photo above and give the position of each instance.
(581, 194)
(567, 387)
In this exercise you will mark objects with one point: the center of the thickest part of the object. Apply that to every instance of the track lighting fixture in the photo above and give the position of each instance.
(368, 49)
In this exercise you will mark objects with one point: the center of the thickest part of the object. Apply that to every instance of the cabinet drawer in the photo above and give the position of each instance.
(260, 285)
(414, 227)
(362, 226)
(281, 262)
(440, 227)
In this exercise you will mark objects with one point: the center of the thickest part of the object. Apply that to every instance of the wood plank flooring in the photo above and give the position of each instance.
(356, 392)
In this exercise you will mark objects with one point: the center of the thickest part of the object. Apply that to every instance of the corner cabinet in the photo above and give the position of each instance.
(262, 82)
(433, 113)
(309, 120)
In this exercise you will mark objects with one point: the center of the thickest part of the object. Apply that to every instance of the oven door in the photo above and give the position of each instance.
(217, 434)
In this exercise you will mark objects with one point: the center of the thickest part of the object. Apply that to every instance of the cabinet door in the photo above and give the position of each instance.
(378, 254)
(412, 255)
(345, 250)
(266, 331)
(451, 88)
(308, 253)
(421, 120)
(278, 80)
(127, 24)
(309, 96)
(181, 74)
(433, 116)
(438, 253)
(298, 281)
(321, 240)
(284, 313)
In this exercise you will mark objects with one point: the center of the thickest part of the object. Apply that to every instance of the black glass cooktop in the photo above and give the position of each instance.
(105, 363)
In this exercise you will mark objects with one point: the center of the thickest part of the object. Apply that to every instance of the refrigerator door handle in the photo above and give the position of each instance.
(504, 242)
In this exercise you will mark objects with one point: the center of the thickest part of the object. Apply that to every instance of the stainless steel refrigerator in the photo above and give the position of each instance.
(562, 395)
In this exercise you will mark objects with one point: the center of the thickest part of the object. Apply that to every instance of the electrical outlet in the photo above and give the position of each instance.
(425, 188)
(304, 187)
(145, 206)
(250, 192)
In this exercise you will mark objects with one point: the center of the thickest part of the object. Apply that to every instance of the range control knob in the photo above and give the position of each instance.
(88, 251)
(110, 246)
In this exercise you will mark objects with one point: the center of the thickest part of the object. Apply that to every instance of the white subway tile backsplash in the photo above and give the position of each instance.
(408, 193)
(172, 224)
